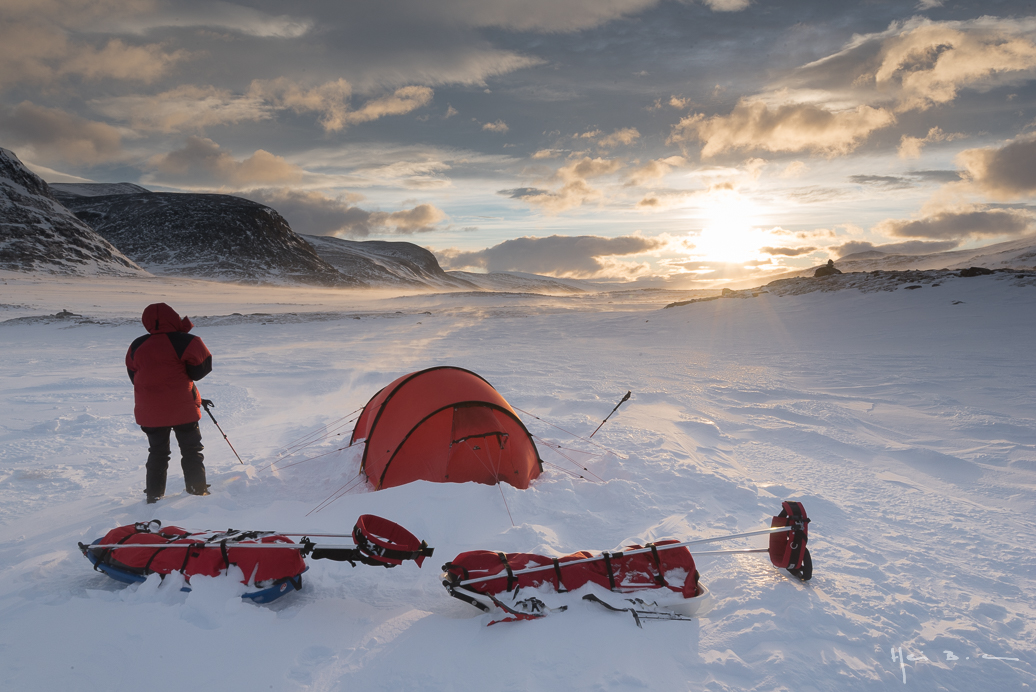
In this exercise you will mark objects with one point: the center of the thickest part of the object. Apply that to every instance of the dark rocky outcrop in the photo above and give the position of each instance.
(828, 269)
(975, 271)
(38, 234)
(206, 236)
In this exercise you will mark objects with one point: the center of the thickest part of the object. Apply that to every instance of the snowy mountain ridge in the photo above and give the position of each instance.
(382, 263)
(254, 244)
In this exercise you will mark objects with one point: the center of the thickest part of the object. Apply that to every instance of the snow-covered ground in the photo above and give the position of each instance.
(904, 420)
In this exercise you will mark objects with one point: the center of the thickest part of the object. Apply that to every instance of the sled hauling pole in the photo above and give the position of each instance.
(638, 551)
(207, 404)
(621, 402)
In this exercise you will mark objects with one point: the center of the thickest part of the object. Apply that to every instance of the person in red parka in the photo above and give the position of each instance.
(163, 366)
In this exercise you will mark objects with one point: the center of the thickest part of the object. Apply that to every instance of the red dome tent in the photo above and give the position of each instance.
(446, 425)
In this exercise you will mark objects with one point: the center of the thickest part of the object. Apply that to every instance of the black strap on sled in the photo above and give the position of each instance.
(451, 582)
(223, 552)
(608, 565)
(511, 579)
(557, 571)
(187, 555)
(105, 555)
(660, 577)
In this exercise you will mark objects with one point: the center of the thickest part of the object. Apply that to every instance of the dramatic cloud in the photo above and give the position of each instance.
(655, 170)
(727, 5)
(523, 192)
(832, 105)
(910, 147)
(499, 126)
(929, 62)
(55, 134)
(1004, 173)
(794, 169)
(313, 213)
(201, 163)
(331, 100)
(889, 182)
(193, 108)
(116, 60)
(402, 101)
(957, 225)
(561, 256)
(184, 109)
(575, 190)
(910, 247)
(537, 15)
(917, 64)
(210, 15)
(420, 219)
(626, 135)
(936, 176)
(36, 46)
(787, 251)
(755, 125)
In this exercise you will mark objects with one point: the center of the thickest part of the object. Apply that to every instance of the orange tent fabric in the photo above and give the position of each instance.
(446, 425)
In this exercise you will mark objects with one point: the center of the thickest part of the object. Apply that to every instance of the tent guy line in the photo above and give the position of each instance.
(579, 437)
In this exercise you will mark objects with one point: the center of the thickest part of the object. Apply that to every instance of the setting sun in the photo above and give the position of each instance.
(730, 233)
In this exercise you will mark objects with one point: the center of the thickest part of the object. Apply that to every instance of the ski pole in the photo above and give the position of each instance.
(202, 544)
(623, 401)
(624, 553)
(206, 404)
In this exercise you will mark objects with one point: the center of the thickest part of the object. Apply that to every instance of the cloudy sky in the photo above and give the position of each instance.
(690, 142)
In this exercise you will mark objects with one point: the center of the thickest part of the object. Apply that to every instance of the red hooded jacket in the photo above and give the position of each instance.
(163, 366)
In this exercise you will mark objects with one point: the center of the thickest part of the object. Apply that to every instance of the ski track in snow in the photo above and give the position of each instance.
(905, 423)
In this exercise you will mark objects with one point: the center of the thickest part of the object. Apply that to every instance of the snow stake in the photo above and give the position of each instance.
(621, 402)
(206, 404)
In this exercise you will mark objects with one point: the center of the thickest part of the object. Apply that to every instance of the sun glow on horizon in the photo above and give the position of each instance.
(731, 233)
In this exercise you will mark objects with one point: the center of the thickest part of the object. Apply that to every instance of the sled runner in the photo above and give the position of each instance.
(271, 562)
(482, 578)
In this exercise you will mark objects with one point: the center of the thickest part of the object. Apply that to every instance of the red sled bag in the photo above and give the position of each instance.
(671, 569)
(208, 553)
(788, 548)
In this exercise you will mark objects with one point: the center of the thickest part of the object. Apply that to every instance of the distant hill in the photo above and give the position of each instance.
(217, 237)
(384, 263)
(1012, 254)
(38, 234)
(520, 282)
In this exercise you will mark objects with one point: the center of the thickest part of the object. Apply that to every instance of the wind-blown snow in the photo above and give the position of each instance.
(904, 420)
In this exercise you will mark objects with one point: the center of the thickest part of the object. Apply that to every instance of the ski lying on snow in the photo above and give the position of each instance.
(533, 608)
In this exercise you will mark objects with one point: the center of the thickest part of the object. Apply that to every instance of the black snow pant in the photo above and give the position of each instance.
(188, 436)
